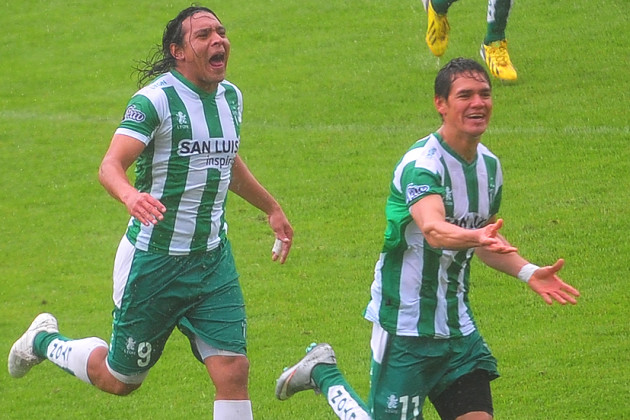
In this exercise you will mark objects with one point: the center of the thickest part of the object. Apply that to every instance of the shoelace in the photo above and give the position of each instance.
(500, 54)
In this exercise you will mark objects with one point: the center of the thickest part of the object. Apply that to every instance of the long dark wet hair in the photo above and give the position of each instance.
(162, 61)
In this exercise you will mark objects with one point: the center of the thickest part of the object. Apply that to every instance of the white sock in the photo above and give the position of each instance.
(233, 410)
(72, 356)
(344, 405)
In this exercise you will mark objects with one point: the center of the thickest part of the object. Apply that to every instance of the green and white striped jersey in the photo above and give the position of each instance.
(419, 290)
(192, 138)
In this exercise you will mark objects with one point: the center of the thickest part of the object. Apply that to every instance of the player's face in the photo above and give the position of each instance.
(468, 107)
(203, 57)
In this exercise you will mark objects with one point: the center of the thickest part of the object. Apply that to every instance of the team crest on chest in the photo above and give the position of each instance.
(181, 121)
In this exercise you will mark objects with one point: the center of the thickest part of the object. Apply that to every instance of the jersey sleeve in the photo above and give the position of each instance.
(140, 120)
(418, 182)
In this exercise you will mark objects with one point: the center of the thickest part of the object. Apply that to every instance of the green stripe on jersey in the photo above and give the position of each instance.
(176, 173)
(232, 99)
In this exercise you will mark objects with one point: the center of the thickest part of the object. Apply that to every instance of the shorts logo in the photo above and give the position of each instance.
(392, 403)
(415, 191)
(130, 347)
(134, 114)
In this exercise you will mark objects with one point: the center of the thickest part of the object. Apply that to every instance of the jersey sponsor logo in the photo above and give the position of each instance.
(415, 191)
(219, 153)
(210, 146)
(134, 114)
(470, 221)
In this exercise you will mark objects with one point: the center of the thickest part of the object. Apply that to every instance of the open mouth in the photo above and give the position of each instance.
(217, 60)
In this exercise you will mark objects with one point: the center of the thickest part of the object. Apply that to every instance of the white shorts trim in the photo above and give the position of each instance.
(378, 343)
(206, 350)
(122, 268)
(128, 379)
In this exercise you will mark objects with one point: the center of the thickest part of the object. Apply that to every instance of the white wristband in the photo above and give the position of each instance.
(527, 271)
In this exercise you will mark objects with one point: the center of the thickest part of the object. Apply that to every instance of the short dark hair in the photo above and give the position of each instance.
(162, 61)
(453, 69)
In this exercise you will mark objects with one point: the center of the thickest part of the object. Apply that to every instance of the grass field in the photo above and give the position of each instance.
(334, 92)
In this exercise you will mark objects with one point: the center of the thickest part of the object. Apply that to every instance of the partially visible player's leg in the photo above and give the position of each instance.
(497, 18)
(494, 47)
(437, 25)
(84, 358)
(468, 397)
(463, 391)
(402, 374)
(440, 6)
(229, 373)
(318, 371)
(216, 328)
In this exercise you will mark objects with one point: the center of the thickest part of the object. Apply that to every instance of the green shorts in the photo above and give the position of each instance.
(414, 368)
(154, 293)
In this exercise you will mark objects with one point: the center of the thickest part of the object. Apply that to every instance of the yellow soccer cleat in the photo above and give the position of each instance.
(498, 60)
(437, 30)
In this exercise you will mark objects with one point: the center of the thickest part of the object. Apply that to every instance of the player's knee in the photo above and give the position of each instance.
(238, 368)
(101, 377)
(122, 389)
(229, 372)
(106, 382)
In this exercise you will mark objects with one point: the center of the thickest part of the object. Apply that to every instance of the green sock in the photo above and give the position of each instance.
(441, 6)
(498, 12)
(42, 340)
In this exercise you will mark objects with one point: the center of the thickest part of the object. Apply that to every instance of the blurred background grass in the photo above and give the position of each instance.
(334, 95)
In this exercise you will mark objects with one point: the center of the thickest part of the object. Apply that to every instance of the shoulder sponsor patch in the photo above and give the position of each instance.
(134, 114)
(415, 191)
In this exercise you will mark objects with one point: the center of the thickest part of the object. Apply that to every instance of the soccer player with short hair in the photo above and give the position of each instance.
(442, 209)
(174, 266)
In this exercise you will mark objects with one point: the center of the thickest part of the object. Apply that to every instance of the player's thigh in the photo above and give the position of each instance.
(148, 304)
(410, 368)
(470, 393)
(219, 318)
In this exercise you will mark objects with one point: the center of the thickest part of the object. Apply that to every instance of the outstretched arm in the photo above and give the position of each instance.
(542, 280)
(429, 214)
(245, 185)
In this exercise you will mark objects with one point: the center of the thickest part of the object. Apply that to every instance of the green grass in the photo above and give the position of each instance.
(334, 94)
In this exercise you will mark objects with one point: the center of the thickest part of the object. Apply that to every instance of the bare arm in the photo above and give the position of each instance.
(430, 216)
(245, 185)
(112, 174)
(544, 280)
